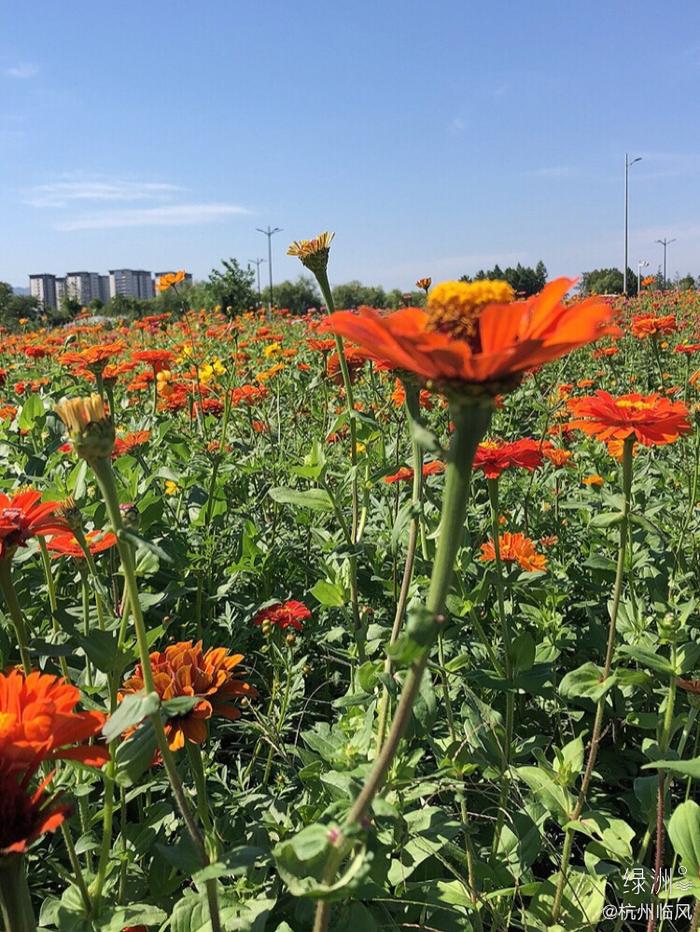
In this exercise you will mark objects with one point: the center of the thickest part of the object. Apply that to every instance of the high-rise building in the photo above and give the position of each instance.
(104, 288)
(43, 287)
(60, 289)
(83, 286)
(186, 281)
(133, 283)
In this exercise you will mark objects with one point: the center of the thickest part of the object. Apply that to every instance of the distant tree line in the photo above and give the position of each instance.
(523, 279)
(610, 281)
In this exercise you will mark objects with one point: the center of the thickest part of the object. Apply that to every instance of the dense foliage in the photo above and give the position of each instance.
(255, 514)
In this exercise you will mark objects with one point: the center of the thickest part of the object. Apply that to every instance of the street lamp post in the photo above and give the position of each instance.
(269, 233)
(642, 264)
(627, 171)
(665, 242)
(257, 263)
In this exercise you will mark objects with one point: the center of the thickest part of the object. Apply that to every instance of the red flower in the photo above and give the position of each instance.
(493, 457)
(24, 817)
(650, 419)
(66, 545)
(24, 516)
(284, 615)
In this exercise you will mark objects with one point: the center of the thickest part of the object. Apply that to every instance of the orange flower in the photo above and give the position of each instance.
(24, 516)
(24, 817)
(170, 280)
(66, 545)
(515, 548)
(158, 358)
(650, 419)
(460, 340)
(38, 721)
(494, 456)
(183, 669)
(649, 326)
(558, 456)
(687, 348)
(594, 480)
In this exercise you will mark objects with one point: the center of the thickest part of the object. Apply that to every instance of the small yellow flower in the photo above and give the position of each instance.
(206, 374)
(272, 349)
(171, 487)
(219, 367)
(360, 447)
(267, 374)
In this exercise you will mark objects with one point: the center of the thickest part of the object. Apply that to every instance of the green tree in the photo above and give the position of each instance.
(231, 288)
(353, 294)
(298, 296)
(523, 279)
(687, 283)
(607, 281)
(15, 306)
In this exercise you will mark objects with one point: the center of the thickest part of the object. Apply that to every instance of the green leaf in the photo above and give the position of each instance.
(32, 411)
(135, 914)
(180, 705)
(554, 797)
(686, 768)
(523, 652)
(328, 594)
(586, 682)
(131, 711)
(684, 832)
(647, 658)
(138, 541)
(315, 499)
(606, 519)
(133, 756)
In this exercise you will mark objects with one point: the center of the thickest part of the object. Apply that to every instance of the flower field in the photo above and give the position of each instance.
(357, 621)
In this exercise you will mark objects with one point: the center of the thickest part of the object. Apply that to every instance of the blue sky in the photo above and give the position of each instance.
(433, 137)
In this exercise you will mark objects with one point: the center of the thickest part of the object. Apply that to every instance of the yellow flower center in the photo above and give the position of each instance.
(635, 406)
(454, 307)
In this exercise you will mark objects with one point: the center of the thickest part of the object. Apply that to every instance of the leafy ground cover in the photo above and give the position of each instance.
(262, 699)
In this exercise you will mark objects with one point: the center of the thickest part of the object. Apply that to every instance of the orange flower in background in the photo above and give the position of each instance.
(66, 545)
(24, 516)
(605, 352)
(494, 456)
(687, 348)
(557, 456)
(158, 358)
(649, 326)
(466, 337)
(515, 548)
(38, 722)
(405, 474)
(170, 280)
(183, 669)
(398, 396)
(651, 419)
(595, 480)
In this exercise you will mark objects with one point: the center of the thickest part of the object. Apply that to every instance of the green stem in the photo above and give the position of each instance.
(15, 610)
(105, 479)
(16, 903)
(53, 602)
(107, 820)
(627, 461)
(471, 421)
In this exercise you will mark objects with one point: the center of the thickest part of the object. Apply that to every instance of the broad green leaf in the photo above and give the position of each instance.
(316, 499)
(130, 711)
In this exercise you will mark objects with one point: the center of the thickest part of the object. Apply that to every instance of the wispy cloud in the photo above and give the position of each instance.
(550, 171)
(22, 71)
(171, 215)
(65, 193)
(457, 125)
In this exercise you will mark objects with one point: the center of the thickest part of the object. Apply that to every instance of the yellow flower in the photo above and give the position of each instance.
(218, 367)
(454, 307)
(267, 374)
(206, 373)
(171, 487)
(272, 349)
(89, 425)
(170, 280)
(313, 252)
(360, 447)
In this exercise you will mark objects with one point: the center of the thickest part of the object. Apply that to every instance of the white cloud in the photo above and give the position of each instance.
(552, 171)
(63, 193)
(458, 125)
(22, 71)
(172, 215)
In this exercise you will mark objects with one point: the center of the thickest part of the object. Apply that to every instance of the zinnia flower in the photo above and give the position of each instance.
(650, 419)
(473, 334)
(649, 326)
(284, 615)
(183, 669)
(66, 545)
(38, 722)
(24, 516)
(313, 253)
(515, 548)
(493, 456)
(24, 816)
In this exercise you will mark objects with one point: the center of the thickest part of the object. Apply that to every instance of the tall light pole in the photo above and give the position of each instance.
(269, 233)
(257, 263)
(665, 242)
(627, 171)
(642, 264)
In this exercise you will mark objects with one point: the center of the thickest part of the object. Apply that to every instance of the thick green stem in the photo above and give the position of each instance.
(471, 422)
(16, 903)
(627, 460)
(15, 612)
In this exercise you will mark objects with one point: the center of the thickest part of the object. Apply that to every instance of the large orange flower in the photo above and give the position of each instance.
(183, 669)
(24, 516)
(650, 419)
(515, 548)
(38, 722)
(24, 816)
(465, 336)
(648, 325)
(494, 456)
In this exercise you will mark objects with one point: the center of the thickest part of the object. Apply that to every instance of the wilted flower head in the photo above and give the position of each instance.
(424, 284)
(24, 816)
(89, 425)
(313, 252)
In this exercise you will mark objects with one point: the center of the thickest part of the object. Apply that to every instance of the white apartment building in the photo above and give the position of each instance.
(43, 287)
(83, 287)
(133, 283)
